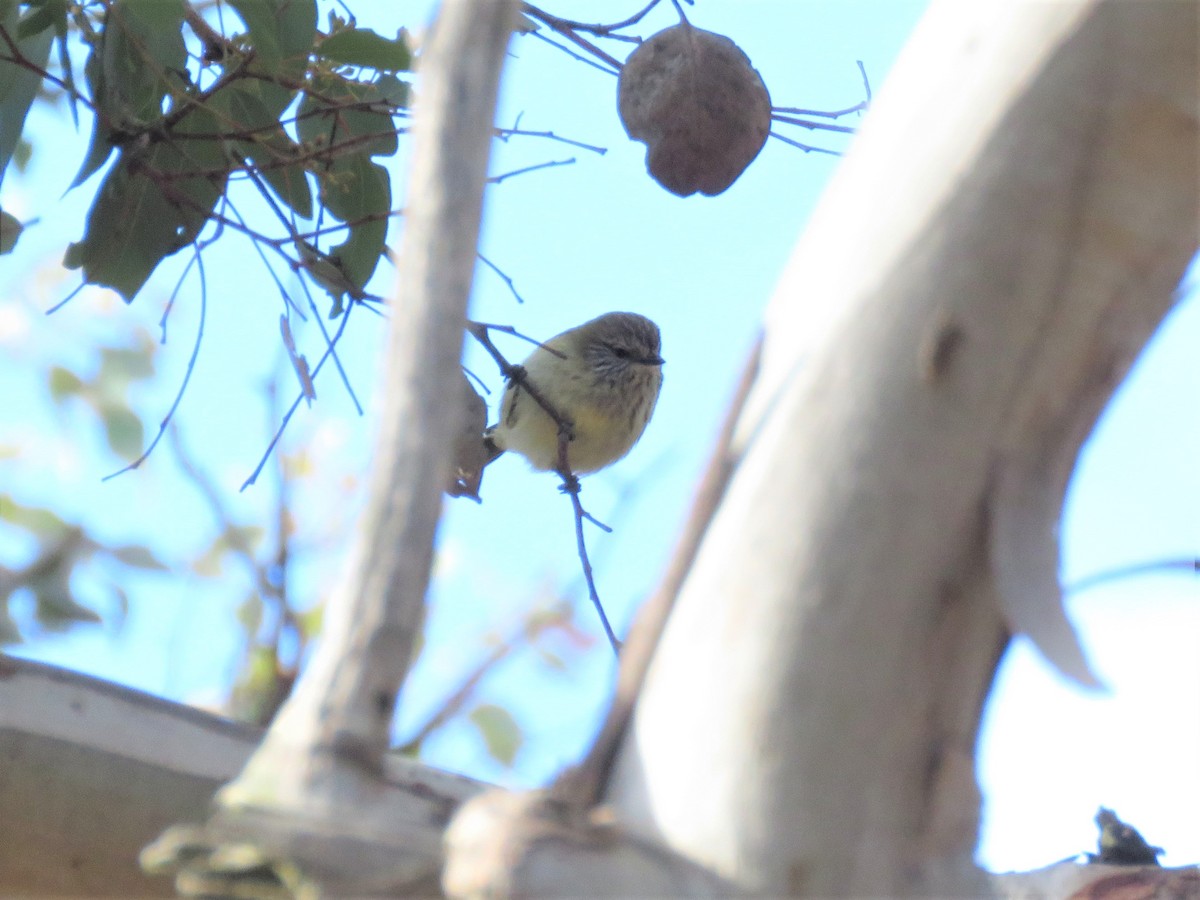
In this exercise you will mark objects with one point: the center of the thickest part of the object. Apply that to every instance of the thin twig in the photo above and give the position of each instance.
(496, 179)
(19, 59)
(526, 633)
(288, 302)
(598, 30)
(811, 126)
(296, 404)
(502, 275)
(67, 299)
(570, 34)
(571, 53)
(505, 133)
(826, 114)
(807, 148)
(312, 304)
(187, 375)
(570, 486)
(866, 81)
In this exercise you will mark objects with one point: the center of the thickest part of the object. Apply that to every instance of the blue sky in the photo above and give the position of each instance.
(579, 240)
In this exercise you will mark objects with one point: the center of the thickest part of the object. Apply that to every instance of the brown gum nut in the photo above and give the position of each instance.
(698, 104)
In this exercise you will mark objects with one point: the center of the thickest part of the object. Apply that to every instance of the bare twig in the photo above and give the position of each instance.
(262, 188)
(67, 299)
(502, 275)
(811, 126)
(827, 114)
(505, 133)
(345, 320)
(528, 631)
(571, 53)
(598, 30)
(187, 375)
(866, 81)
(496, 179)
(559, 26)
(807, 148)
(18, 58)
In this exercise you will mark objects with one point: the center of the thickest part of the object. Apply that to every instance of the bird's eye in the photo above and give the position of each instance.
(620, 353)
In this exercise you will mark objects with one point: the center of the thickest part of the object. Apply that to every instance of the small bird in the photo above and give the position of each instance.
(603, 377)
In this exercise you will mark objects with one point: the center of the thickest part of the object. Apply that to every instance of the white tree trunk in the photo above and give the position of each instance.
(1002, 240)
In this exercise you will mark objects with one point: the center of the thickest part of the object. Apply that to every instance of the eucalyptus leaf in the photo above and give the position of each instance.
(138, 557)
(363, 200)
(281, 35)
(143, 59)
(363, 47)
(124, 431)
(10, 232)
(19, 85)
(275, 155)
(41, 522)
(340, 112)
(63, 384)
(44, 14)
(151, 204)
(499, 730)
(100, 147)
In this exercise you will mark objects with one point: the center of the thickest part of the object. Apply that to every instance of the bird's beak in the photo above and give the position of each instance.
(652, 361)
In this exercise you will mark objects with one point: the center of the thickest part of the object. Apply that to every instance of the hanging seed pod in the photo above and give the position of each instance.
(698, 104)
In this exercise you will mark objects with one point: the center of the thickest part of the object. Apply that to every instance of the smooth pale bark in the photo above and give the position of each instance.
(1001, 242)
(91, 772)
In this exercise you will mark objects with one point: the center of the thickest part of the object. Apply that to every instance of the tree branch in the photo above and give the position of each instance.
(313, 789)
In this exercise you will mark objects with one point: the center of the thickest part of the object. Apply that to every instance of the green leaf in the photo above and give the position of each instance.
(152, 203)
(364, 201)
(144, 58)
(101, 146)
(280, 34)
(342, 113)
(55, 608)
(64, 383)
(41, 522)
(44, 14)
(269, 147)
(10, 232)
(311, 621)
(22, 154)
(123, 430)
(552, 659)
(290, 184)
(122, 365)
(19, 85)
(499, 730)
(363, 47)
(138, 557)
(393, 90)
(250, 615)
